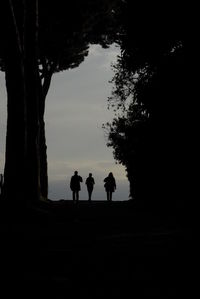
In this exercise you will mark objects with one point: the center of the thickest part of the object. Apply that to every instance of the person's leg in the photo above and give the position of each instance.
(107, 192)
(90, 195)
(88, 189)
(77, 195)
(110, 195)
(73, 195)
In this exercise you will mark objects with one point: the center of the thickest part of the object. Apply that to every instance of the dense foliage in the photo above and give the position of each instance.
(147, 134)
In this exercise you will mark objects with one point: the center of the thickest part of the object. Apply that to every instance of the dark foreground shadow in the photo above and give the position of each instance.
(93, 250)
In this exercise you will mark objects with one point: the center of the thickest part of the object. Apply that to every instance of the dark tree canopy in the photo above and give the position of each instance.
(65, 32)
(147, 134)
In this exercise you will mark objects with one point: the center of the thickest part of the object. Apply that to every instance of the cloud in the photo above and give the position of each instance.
(97, 53)
(110, 58)
(59, 169)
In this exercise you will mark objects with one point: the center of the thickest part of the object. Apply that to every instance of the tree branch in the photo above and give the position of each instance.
(19, 43)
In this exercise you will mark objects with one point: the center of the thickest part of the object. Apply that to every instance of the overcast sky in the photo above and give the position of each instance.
(76, 108)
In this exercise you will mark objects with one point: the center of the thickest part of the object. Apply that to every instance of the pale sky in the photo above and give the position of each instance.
(76, 108)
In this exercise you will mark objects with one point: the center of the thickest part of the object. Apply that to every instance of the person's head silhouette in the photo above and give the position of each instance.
(110, 174)
(76, 172)
(90, 174)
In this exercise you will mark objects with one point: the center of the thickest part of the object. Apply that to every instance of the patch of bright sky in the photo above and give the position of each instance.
(76, 108)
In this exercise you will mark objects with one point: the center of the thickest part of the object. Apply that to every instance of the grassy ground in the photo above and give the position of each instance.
(93, 250)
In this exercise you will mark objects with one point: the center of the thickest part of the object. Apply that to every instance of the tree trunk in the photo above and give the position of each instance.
(22, 166)
(43, 160)
(14, 173)
(43, 90)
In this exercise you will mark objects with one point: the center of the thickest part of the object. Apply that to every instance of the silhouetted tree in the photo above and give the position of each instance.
(39, 39)
(150, 98)
(128, 136)
(19, 53)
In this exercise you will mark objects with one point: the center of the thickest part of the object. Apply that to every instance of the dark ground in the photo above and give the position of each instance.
(95, 250)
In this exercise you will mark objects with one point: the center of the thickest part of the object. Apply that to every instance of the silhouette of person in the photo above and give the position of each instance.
(75, 185)
(90, 185)
(110, 185)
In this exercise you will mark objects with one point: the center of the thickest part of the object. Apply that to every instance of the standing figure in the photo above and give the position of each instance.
(110, 185)
(90, 185)
(75, 185)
